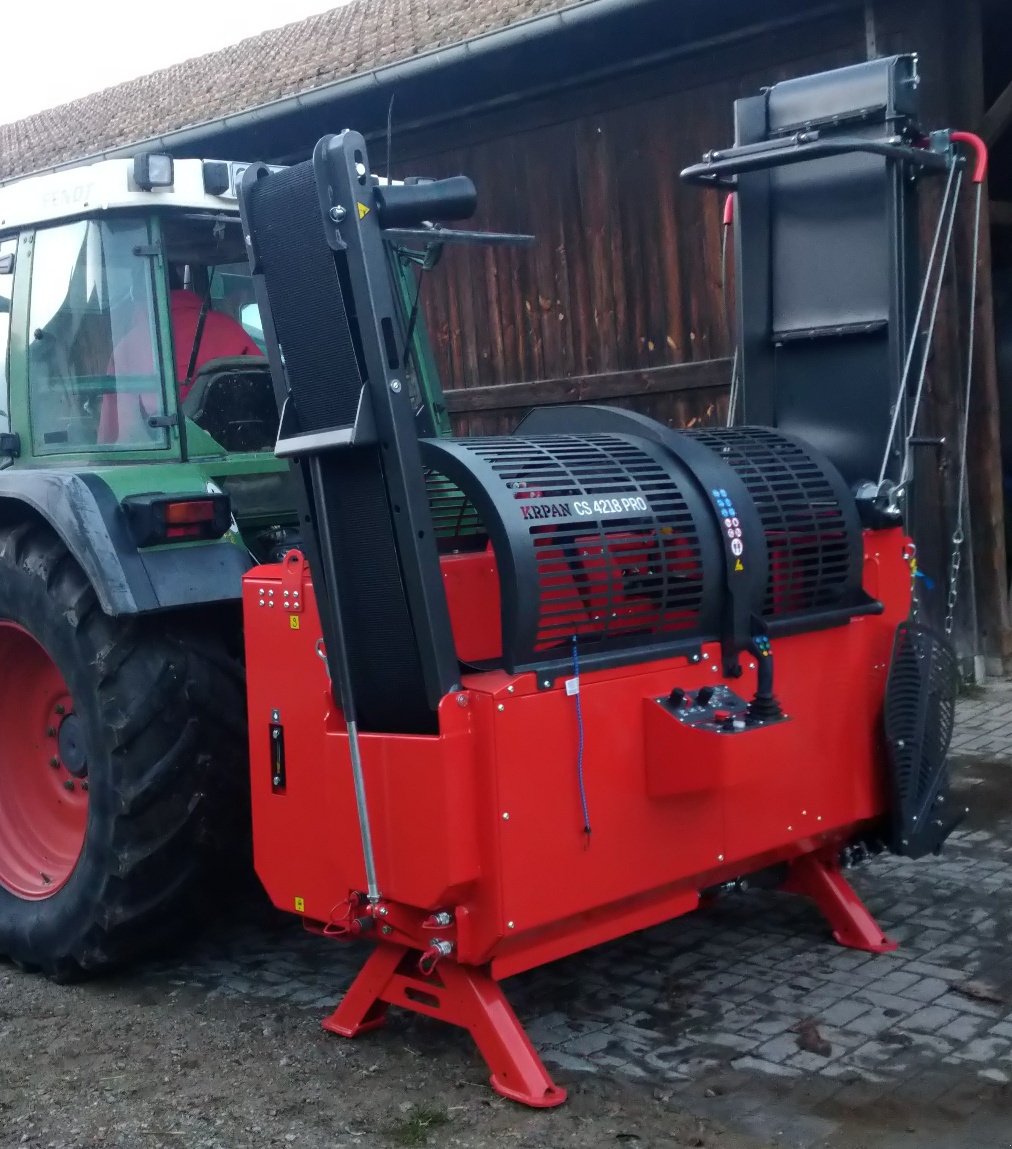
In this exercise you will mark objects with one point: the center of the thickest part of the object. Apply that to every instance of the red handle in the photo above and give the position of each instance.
(978, 145)
(729, 210)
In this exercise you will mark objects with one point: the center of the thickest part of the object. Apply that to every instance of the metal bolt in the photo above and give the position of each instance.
(510, 689)
(720, 857)
(386, 929)
(505, 815)
(68, 784)
(790, 829)
(271, 603)
(276, 781)
(275, 716)
(819, 819)
(706, 658)
(338, 214)
(382, 911)
(546, 682)
(500, 708)
(275, 734)
(461, 699)
(51, 731)
(443, 918)
(61, 709)
(54, 761)
(511, 925)
(751, 666)
(270, 594)
(395, 386)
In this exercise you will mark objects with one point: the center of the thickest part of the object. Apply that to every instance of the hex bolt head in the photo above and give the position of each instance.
(338, 214)
(505, 815)
(386, 929)
(54, 761)
(511, 925)
(68, 784)
(61, 709)
(395, 386)
(500, 708)
(461, 699)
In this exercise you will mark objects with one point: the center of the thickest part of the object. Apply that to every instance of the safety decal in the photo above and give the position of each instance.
(363, 211)
(293, 621)
(300, 905)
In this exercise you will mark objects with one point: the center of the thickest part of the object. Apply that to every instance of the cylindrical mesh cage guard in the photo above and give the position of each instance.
(601, 537)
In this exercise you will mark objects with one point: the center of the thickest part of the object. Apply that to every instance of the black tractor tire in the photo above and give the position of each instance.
(161, 707)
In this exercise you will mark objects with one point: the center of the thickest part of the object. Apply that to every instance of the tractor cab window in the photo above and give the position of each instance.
(93, 369)
(223, 377)
(7, 250)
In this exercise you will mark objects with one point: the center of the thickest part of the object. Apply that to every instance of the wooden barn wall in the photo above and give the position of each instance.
(620, 298)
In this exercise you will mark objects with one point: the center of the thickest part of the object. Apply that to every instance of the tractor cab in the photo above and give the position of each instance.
(130, 334)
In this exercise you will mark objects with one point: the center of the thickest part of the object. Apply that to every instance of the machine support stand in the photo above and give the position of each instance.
(461, 995)
(819, 877)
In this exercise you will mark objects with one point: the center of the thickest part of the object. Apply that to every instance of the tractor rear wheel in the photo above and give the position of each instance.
(120, 742)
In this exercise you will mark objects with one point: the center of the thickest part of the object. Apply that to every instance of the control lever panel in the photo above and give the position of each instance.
(714, 708)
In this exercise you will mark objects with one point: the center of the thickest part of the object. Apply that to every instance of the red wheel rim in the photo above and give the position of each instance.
(43, 804)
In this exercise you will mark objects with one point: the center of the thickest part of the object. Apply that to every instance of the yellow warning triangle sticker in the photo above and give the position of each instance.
(363, 211)
(738, 566)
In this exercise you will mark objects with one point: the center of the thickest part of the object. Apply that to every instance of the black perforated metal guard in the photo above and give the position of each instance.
(920, 709)
(808, 516)
(600, 541)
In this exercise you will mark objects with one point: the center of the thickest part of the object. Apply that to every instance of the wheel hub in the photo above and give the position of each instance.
(43, 770)
(70, 742)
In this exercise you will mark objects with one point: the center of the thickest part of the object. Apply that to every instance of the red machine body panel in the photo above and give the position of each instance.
(484, 820)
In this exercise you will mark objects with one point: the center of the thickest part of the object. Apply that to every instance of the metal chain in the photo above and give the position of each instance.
(958, 535)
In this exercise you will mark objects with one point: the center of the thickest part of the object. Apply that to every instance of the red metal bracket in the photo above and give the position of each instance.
(458, 994)
(819, 877)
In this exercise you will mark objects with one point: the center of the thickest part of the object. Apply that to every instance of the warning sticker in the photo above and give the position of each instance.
(300, 905)
(363, 211)
(739, 565)
(293, 621)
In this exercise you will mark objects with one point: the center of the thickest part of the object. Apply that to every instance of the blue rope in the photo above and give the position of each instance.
(579, 745)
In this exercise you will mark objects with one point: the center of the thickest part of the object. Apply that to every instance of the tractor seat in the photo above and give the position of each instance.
(232, 399)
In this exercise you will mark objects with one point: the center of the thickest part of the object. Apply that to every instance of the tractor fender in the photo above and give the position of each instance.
(87, 516)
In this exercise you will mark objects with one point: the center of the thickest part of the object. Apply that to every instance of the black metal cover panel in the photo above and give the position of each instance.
(881, 89)
(813, 534)
(920, 710)
(320, 360)
(597, 537)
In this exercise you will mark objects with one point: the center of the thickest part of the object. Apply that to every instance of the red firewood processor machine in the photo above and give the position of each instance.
(517, 695)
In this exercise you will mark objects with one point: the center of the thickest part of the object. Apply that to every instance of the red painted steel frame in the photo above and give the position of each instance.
(461, 995)
(478, 830)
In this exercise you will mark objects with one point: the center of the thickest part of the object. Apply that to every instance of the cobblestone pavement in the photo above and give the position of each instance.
(747, 1012)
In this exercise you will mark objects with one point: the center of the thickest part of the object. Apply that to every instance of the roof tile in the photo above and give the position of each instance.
(335, 45)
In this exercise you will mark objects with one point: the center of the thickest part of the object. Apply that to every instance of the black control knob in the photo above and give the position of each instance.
(676, 699)
(703, 695)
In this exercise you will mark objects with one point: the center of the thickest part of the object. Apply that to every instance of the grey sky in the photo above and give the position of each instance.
(57, 50)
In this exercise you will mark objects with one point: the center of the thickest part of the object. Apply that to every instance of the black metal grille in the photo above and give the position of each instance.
(455, 519)
(616, 551)
(811, 549)
(920, 710)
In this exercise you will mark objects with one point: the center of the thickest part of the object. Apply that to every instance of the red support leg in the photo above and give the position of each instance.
(820, 878)
(460, 995)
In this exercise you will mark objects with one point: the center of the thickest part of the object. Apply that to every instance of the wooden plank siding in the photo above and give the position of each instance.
(624, 278)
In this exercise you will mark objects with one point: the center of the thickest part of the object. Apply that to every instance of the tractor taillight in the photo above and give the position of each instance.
(158, 519)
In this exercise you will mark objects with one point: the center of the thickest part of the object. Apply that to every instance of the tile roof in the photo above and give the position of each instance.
(335, 45)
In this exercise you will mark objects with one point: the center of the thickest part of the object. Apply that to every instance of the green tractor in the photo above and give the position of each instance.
(138, 482)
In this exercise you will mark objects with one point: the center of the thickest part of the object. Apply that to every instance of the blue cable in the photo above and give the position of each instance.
(579, 745)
